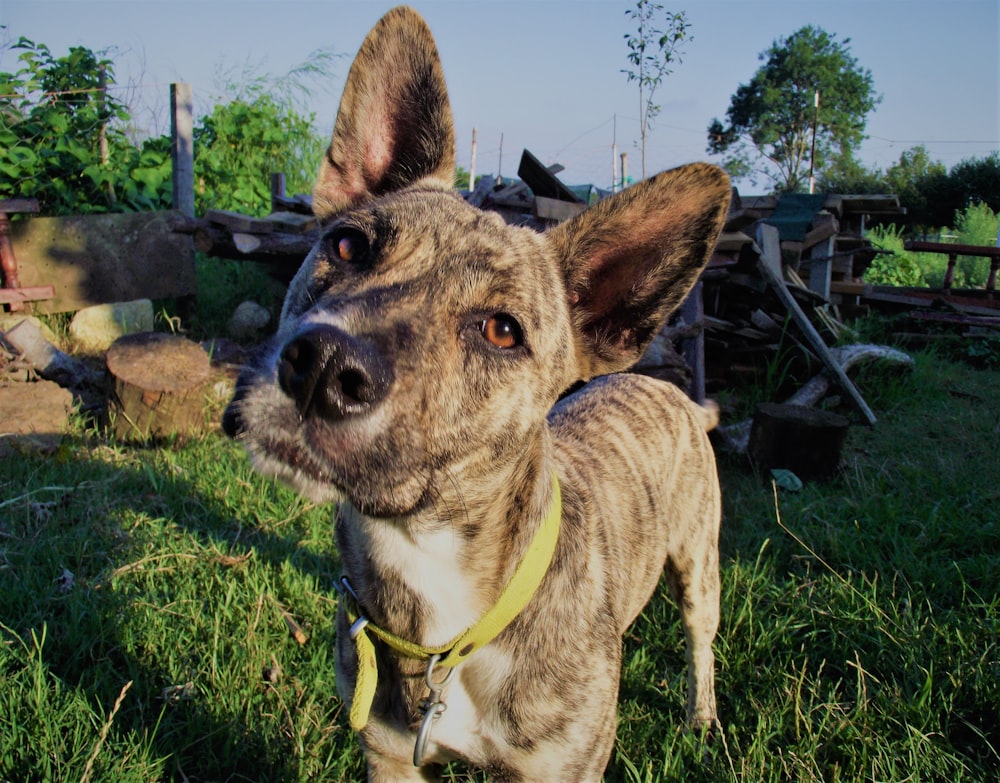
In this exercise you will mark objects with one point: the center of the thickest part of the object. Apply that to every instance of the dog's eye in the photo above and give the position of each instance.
(502, 331)
(349, 246)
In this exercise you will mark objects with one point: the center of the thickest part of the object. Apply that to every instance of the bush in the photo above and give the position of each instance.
(54, 115)
(974, 225)
(895, 265)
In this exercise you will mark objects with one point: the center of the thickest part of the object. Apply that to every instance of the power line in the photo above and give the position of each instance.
(934, 141)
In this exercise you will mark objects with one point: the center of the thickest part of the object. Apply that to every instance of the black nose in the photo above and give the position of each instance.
(332, 375)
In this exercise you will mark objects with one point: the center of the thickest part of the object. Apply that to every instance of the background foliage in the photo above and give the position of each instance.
(770, 122)
(54, 111)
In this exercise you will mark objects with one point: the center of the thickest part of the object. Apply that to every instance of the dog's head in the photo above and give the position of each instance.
(423, 341)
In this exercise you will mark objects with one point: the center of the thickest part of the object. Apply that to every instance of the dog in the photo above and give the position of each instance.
(498, 535)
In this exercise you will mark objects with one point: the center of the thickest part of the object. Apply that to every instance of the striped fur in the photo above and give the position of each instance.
(392, 389)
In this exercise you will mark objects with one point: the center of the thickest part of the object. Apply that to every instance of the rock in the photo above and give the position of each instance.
(248, 320)
(33, 416)
(94, 329)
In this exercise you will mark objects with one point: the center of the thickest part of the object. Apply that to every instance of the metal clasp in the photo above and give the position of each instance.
(431, 708)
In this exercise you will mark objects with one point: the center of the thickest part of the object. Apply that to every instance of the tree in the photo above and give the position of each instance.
(61, 136)
(969, 182)
(263, 129)
(652, 53)
(771, 120)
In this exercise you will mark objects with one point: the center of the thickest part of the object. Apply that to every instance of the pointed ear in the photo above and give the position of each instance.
(630, 260)
(394, 126)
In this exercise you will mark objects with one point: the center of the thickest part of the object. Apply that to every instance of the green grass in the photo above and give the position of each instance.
(860, 636)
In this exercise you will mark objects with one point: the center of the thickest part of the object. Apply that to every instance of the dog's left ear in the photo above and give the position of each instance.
(394, 125)
(630, 260)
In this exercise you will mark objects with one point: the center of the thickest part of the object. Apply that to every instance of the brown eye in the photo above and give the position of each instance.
(350, 247)
(346, 249)
(502, 331)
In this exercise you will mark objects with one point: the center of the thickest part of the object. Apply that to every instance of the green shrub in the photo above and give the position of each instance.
(895, 265)
(975, 225)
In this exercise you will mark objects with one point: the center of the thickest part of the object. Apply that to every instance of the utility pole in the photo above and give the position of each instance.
(614, 155)
(812, 153)
(472, 163)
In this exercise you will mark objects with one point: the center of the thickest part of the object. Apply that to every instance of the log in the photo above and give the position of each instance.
(736, 437)
(160, 386)
(804, 440)
(285, 252)
(49, 362)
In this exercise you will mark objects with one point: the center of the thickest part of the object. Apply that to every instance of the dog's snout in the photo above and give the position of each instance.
(332, 375)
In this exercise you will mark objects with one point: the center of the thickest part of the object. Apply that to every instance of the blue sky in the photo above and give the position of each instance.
(548, 74)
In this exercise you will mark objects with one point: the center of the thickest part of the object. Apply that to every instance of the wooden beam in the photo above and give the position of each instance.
(542, 181)
(552, 209)
(28, 294)
(947, 248)
(770, 260)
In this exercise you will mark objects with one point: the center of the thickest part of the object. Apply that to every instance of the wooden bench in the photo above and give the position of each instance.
(953, 252)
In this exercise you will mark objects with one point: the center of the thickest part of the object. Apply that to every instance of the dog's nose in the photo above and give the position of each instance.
(332, 375)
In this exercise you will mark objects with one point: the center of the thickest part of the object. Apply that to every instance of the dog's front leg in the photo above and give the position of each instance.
(386, 770)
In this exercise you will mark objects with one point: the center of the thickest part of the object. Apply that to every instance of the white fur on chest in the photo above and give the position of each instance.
(430, 566)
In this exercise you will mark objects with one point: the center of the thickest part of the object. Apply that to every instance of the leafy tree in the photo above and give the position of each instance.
(261, 131)
(770, 121)
(54, 112)
(969, 182)
(914, 178)
(652, 53)
(846, 174)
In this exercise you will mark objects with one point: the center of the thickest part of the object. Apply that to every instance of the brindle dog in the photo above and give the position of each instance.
(415, 380)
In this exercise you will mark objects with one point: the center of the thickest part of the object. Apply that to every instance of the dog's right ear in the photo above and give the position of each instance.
(394, 126)
(630, 260)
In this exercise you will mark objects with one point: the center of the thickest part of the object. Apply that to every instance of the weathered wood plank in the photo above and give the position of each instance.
(552, 209)
(97, 259)
(237, 221)
(542, 181)
(770, 260)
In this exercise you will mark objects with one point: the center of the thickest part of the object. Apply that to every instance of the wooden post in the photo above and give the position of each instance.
(182, 147)
(693, 348)
(102, 135)
(949, 275)
(277, 189)
(821, 267)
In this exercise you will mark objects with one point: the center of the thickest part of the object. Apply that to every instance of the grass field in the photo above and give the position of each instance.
(145, 597)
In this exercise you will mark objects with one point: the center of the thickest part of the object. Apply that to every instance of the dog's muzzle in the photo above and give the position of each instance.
(331, 375)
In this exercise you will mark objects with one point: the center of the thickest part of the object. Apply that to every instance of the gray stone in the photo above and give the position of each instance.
(94, 329)
(248, 321)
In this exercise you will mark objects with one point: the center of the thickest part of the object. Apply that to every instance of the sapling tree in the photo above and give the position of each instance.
(653, 52)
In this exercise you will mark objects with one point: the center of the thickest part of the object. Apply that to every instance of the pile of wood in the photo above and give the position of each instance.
(817, 246)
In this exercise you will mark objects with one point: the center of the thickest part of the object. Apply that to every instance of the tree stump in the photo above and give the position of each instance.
(160, 385)
(806, 441)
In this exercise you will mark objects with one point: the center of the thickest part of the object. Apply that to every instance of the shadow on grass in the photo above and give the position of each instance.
(179, 571)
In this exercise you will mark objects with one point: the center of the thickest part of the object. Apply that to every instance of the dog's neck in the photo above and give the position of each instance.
(430, 576)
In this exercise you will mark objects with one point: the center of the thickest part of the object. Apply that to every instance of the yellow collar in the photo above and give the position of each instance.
(515, 596)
